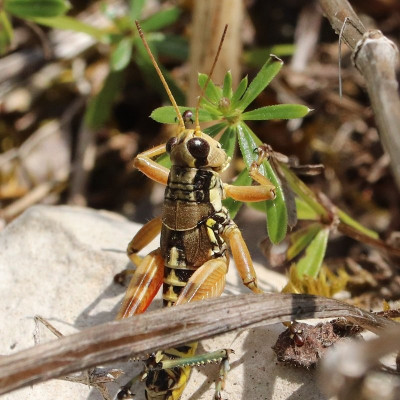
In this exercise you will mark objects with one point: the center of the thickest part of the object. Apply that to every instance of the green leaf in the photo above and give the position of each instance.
(248, 145)
(304, 211)
(256, 57)
(302, 238)
(6, 32)
(161, 19)
(227, 88)
(164, 160)
(277, 217)
(99, 108)
(310, 263)
(210, 107)
(36, 8)
(258, 205)
(135, 9)
(122, 26)
(213, 92)
(213, 130)
(233, 206)
(228, 141)
(73, 24)
(146, 67)
(239, 92)
(261, 81)
(171, 46)
(304, 192)
(121, 55)
(279, 111)
(346, 219)
(167, 115)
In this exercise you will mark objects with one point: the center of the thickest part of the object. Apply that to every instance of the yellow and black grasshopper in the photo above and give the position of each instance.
(196, 231)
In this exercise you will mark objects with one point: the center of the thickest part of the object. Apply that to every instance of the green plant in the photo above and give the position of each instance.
(26, 9)
(228, 109)
(121, 37)
(125, 43)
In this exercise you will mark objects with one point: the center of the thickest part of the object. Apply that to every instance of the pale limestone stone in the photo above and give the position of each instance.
(59, 262)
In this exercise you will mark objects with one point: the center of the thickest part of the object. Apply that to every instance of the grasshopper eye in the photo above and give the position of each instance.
(198, 148)
(170, 144)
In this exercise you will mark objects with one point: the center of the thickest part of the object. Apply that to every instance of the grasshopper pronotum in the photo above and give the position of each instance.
(196, 231)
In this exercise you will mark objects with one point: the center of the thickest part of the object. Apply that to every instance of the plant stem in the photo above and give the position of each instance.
(375, 57)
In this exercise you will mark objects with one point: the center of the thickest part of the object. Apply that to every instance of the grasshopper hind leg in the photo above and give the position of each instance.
(167, 378)
(143, 237)
(169, 370)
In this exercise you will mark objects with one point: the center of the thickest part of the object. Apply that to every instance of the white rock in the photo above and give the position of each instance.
(59, 262)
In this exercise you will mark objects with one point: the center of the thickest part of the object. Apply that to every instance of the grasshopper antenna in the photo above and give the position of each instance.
(163, 81)
(197, 129)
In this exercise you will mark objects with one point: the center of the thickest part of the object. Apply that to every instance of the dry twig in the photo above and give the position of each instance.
(170, 327)
(375, 56)
(209, 19)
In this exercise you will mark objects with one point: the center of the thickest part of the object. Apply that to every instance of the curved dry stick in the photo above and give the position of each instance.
(375, 57)
(170, 327)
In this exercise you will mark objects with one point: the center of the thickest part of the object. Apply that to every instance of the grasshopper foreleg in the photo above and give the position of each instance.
(264, 191)
(144, 163)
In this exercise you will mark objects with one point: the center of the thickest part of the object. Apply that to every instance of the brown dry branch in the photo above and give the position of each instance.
(375, 56)
(170, 327)
(361, 237)
(209, 19)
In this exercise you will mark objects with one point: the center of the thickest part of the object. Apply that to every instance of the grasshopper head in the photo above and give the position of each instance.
(196, 149)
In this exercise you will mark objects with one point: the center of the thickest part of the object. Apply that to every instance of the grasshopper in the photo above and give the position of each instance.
(196, 231)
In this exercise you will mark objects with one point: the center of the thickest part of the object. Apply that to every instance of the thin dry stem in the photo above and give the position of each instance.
(170, 327)
(375, 57)
(209, 19)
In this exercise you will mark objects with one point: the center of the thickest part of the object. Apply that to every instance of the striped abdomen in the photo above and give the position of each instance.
(192, 215)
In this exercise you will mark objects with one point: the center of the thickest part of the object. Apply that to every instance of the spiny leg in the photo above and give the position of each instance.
(218, 356)
(142, 238)
(223, 373)
(143, 286)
